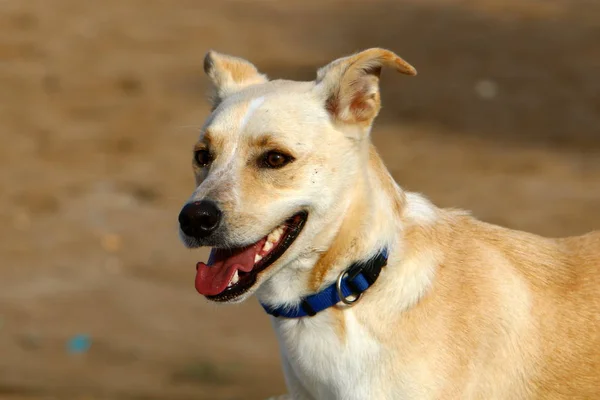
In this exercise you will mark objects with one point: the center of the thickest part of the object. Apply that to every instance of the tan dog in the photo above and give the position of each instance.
(291, 193)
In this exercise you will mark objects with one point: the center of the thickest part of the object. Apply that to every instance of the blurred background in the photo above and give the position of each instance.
(101, 103)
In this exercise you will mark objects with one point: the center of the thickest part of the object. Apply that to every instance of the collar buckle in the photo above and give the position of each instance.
(338, 287)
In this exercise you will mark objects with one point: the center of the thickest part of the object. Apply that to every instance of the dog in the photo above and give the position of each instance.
(374, 292)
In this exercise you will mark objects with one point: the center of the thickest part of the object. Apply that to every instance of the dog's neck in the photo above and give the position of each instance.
(371, 221)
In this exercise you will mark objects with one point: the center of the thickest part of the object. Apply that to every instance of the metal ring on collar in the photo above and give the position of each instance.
(338, 287)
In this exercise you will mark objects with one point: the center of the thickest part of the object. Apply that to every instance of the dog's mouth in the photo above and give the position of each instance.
(230, 273)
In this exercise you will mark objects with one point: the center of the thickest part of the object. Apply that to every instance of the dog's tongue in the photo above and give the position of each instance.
(213, 278)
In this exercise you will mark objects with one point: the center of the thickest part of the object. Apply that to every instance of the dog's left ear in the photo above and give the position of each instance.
(230, 74)
(349, 86)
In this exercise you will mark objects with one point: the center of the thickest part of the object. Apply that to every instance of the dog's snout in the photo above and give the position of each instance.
(200, 218)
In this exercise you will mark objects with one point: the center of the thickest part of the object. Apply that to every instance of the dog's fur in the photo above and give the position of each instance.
(463, 310)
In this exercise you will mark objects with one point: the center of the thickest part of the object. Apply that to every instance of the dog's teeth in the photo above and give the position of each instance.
(275, 235)
(236, 278)
(272, 240)
(268, 246)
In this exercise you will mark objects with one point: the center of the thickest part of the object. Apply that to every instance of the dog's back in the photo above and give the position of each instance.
(569, 321)
(525, 308)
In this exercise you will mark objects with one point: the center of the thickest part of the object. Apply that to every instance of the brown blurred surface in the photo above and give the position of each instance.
(100, 103)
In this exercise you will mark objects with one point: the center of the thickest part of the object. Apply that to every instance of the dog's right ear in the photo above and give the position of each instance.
(230, 74)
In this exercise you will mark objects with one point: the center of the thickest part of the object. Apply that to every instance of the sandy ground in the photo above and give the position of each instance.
(100, 103)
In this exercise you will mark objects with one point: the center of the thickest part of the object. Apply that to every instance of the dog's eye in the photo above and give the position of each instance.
(202, 157)
(275, 159)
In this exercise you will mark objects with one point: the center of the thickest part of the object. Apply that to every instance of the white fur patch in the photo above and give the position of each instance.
(252, 107)
(325, 366)
(419, 209)
(405, 285)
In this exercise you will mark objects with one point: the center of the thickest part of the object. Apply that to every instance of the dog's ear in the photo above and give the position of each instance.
(349, 86)
(230, 74)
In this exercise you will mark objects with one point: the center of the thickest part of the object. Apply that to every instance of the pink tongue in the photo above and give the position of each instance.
(213, 278)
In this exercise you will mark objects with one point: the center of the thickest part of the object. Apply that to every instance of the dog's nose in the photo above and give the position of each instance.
(200, 218)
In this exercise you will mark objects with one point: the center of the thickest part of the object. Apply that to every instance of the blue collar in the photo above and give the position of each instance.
(352, 282)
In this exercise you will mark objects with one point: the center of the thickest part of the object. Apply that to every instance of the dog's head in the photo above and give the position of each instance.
(272, 164)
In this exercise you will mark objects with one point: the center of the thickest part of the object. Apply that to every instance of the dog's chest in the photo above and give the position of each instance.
(331, 359)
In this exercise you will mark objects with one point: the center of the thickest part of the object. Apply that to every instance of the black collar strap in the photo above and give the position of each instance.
(352, 282)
